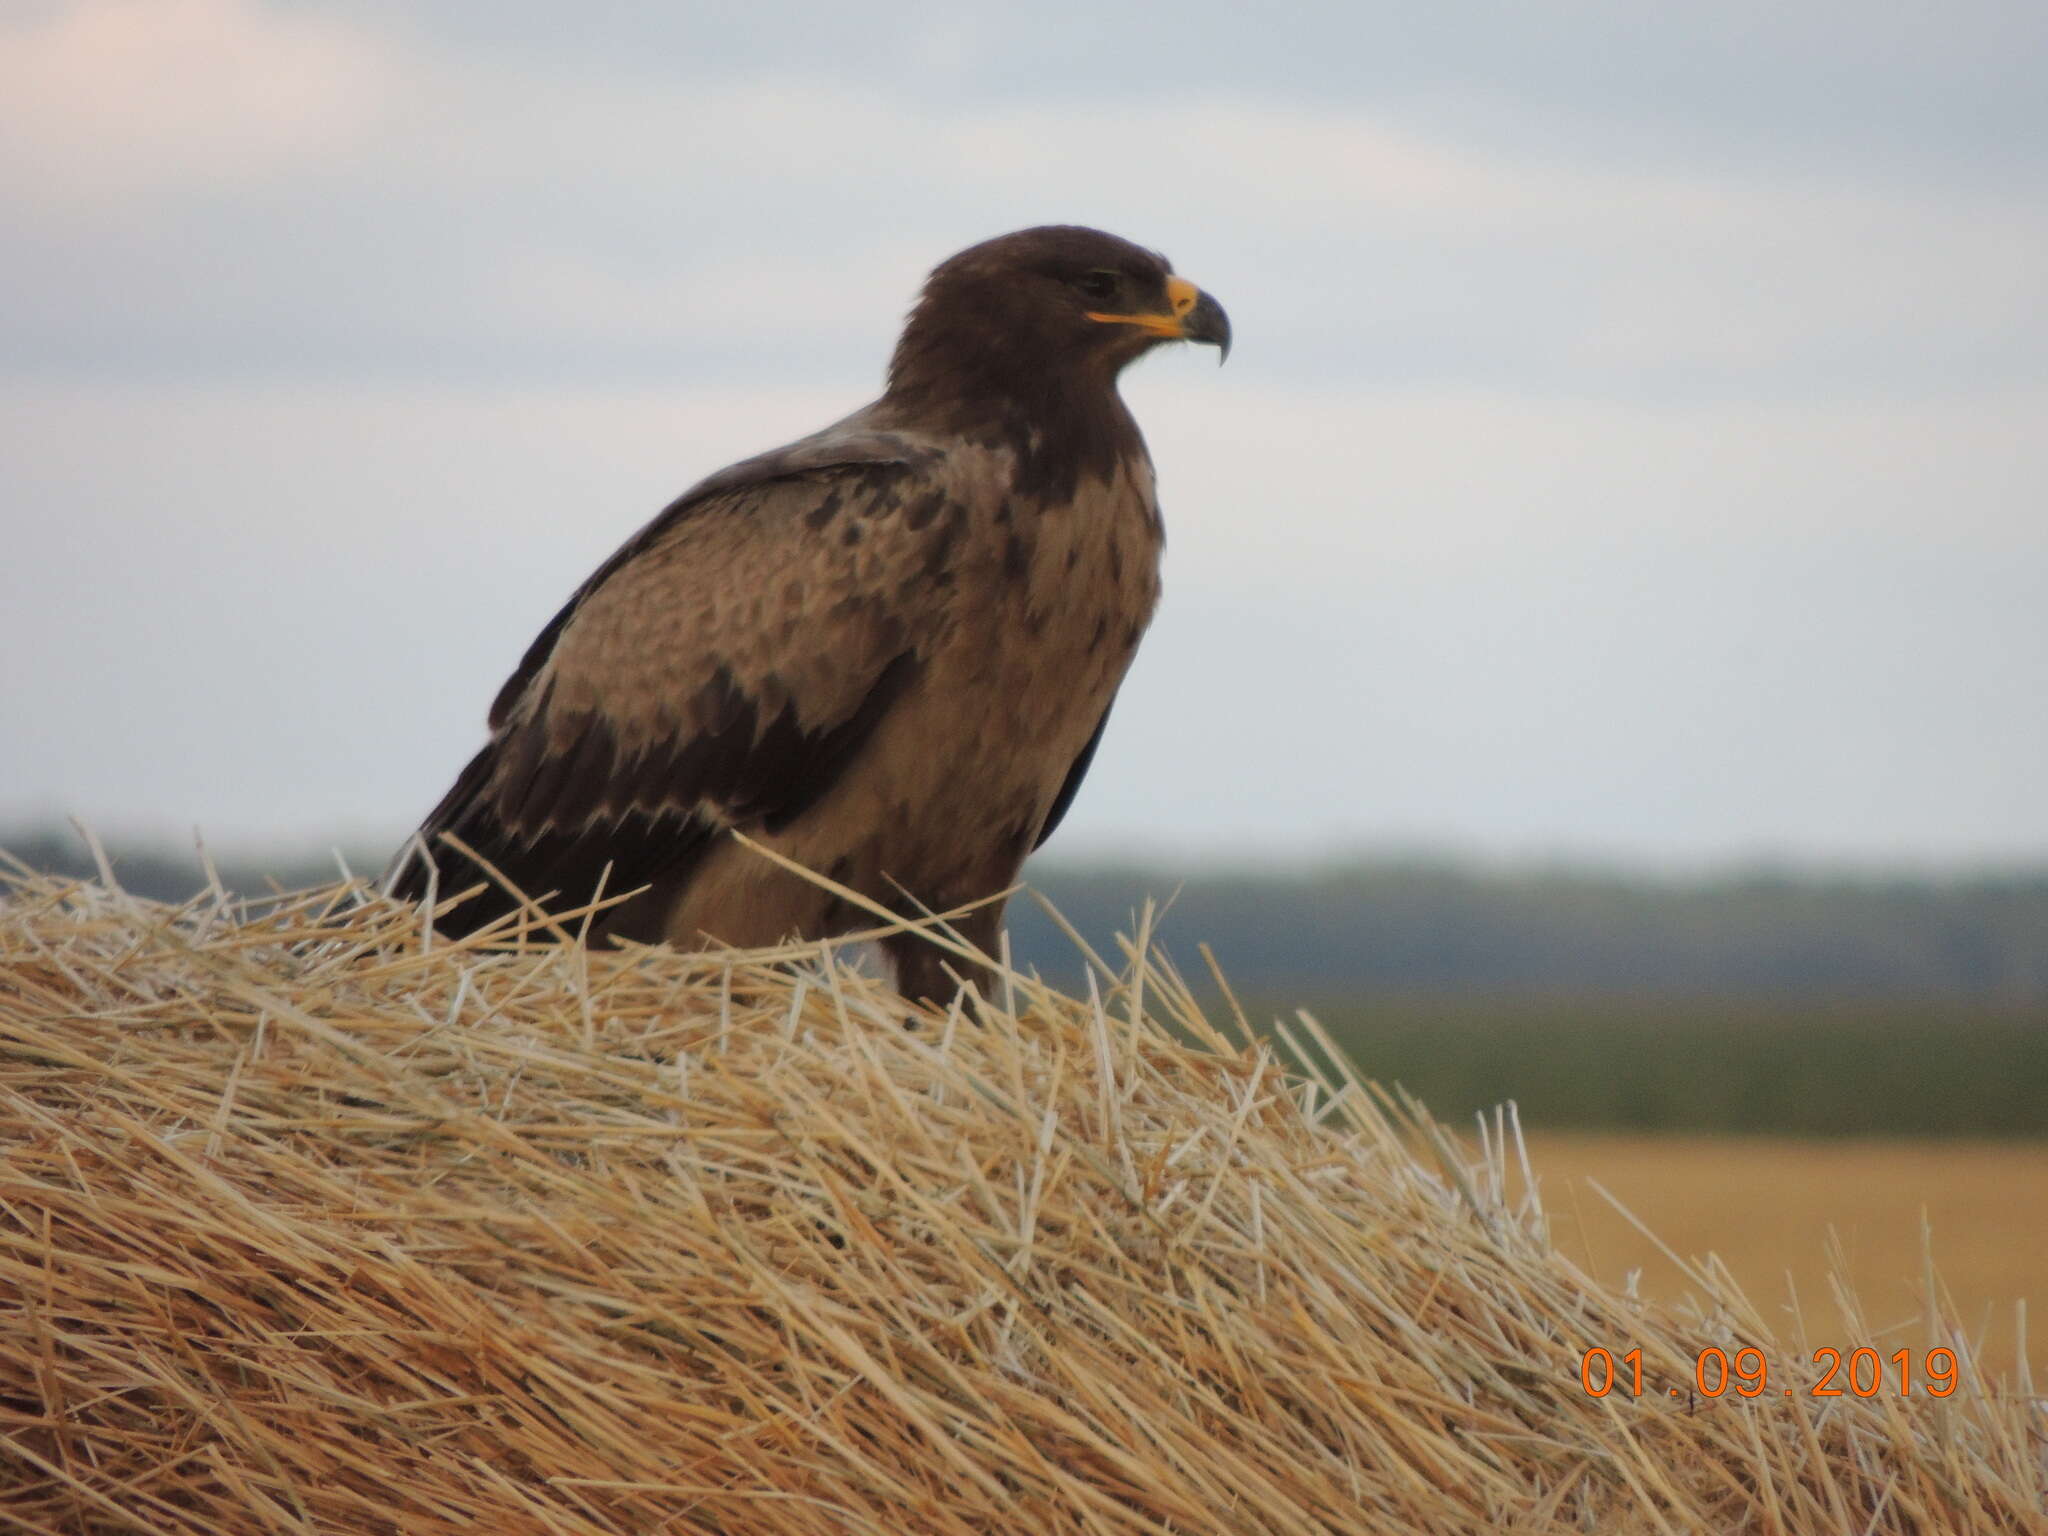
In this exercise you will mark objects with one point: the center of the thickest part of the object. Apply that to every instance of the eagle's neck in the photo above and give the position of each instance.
(1058, 422)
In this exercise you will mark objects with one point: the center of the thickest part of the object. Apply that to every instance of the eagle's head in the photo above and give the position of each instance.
(1057, 302)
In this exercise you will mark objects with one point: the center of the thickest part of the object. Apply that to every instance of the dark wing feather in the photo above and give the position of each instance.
(557, 866)
(723, 668)
(1075, 775)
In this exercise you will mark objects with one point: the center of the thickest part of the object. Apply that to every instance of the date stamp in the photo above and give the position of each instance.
(1747, 1372)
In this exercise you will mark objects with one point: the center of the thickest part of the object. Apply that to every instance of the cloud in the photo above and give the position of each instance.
(320, 196)
(107, 102)
(1937, 91)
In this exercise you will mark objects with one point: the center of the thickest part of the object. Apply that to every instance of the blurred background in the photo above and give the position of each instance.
(1606, 630)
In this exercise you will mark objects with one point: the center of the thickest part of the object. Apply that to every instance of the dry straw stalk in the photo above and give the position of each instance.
(307, 1225)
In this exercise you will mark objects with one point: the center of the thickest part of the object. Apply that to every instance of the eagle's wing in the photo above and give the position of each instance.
(724, 667)
(1075, 774)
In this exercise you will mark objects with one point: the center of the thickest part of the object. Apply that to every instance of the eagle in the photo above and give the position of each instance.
(886, 651)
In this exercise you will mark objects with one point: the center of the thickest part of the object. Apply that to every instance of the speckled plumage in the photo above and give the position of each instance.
(886, 650)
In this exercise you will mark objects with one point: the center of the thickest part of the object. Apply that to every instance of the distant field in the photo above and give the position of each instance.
(1946, 1067)
(1765, 1206)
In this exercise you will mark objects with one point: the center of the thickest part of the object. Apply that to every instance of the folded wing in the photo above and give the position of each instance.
(723, 669)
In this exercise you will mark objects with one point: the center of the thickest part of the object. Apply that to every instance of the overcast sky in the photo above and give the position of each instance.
(1636, 442)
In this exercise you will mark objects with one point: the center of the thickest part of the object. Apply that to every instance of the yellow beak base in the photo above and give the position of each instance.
(1181, 297)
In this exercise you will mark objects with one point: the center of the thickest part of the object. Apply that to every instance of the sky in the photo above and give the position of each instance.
(1635, 442)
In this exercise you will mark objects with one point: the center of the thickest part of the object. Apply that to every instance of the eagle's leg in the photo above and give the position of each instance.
(921, 966)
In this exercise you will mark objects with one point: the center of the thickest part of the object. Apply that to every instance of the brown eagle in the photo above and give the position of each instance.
(887, 650)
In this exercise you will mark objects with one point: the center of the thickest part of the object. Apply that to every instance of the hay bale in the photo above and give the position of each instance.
(307, 1226)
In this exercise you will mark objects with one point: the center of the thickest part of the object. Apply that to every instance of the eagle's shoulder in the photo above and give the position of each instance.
(810, 476)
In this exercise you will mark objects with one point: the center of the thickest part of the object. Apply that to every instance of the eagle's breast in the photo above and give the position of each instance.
(1045, 604)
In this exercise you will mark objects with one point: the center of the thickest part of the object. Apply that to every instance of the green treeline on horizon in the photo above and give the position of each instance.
(1419, 924)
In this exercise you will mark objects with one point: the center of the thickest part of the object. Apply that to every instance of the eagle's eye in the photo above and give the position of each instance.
(1101, 284)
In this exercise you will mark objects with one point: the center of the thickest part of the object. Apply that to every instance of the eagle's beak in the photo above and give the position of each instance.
(1205, 321)
(1192, 316)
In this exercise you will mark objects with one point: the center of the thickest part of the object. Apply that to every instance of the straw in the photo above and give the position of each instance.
(306, 1227)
